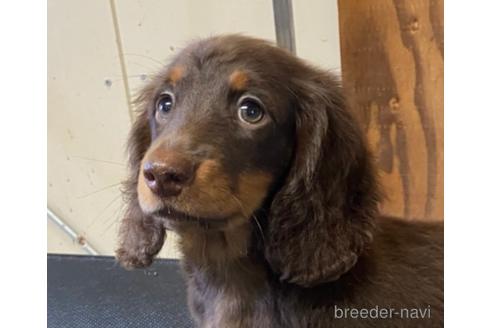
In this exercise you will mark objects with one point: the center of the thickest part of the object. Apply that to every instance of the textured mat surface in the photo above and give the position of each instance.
(87, 291)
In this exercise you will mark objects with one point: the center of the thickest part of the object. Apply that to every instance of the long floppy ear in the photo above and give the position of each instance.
(140, 236)
(322, 217)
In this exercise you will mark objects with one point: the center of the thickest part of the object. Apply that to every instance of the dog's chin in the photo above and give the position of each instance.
(174, 218)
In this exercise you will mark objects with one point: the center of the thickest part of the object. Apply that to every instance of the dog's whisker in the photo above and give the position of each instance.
(108, 227)
(146, 67)
(204, 249)
(142, 76)
(104, 209)
(154, 60)
(240, 205)
(98, 160)
(243, 211)
(259, 227)
(99, 190)
(116, 214)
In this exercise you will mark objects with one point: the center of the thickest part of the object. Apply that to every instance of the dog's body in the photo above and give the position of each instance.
(398, 274)
(250, 155)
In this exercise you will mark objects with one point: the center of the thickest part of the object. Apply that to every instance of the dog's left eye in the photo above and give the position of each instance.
(250, 110)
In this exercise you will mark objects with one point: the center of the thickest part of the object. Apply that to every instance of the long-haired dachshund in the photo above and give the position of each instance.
(251, 156)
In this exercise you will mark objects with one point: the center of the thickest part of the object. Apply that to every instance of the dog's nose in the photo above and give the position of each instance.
(167, 177)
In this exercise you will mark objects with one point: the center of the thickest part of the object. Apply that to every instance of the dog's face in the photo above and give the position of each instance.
(222, 135)
(236, 128)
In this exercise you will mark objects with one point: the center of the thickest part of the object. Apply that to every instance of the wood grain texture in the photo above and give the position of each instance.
(392, 67)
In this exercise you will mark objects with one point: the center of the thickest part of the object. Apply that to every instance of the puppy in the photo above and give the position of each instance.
(251, 156)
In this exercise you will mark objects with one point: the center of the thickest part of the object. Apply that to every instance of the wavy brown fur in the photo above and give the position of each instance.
(316, 243)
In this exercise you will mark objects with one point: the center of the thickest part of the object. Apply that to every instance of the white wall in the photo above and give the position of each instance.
(99, 53)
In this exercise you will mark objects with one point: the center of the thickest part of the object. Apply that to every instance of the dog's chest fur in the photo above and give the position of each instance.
(235, 297)
(225, 287)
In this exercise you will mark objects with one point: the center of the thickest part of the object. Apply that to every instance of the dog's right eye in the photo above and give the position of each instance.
(164, 104)
(250, 110)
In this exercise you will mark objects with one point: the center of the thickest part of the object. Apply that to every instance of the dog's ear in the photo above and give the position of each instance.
(322, 217)
(140, 236)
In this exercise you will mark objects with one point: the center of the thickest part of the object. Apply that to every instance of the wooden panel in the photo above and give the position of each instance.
(392, 64)
(87, 123)
(316, 30)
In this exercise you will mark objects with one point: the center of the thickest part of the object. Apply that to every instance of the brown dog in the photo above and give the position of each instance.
(251, 156)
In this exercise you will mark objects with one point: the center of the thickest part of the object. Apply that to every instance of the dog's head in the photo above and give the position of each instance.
(235, 126)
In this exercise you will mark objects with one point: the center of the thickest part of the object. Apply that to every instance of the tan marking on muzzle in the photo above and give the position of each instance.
(210, 195)
(210, 192)
(253, 188)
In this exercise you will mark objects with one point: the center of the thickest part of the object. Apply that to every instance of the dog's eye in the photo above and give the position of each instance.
(164, 104)
(250, 110)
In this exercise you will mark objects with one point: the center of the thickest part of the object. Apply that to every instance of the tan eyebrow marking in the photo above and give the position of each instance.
(238, 80)
(175, 74)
